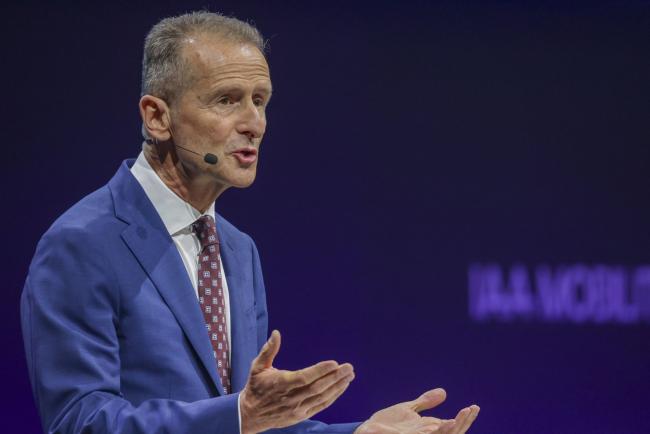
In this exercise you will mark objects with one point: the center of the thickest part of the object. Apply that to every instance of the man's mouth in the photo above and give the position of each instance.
(246, 155)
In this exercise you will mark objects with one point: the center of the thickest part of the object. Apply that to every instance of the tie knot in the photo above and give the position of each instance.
(205, 230)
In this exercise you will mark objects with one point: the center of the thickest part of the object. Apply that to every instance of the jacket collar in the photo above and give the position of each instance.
(151, 244)
(176, 214)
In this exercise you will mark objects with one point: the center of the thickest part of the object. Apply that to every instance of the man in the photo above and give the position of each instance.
(116, 339)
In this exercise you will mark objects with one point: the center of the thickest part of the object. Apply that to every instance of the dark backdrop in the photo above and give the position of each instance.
(406, 140)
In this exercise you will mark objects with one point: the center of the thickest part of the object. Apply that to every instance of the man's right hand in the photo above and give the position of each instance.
(275, 398)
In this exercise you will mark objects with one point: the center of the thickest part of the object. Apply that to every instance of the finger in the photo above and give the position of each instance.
(474, 409)
(317, 404)
(325, 382)
(428, 400)
(307, 376)
(298, 395)
(447, 427)
(428, 427)
(329, 393)
(426, 420)
(425, 425)
(310, 395)
(264, 359)
(460, 420)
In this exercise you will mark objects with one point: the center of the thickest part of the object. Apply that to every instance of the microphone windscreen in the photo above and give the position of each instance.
(210, 158)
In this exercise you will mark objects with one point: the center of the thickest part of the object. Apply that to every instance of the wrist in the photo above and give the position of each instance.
(366, 427)
(244, 413)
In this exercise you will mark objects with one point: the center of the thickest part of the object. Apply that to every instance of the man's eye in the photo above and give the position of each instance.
(225, 100)
(258, 101)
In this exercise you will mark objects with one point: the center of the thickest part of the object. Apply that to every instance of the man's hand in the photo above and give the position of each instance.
(403, 418)
(275, 399)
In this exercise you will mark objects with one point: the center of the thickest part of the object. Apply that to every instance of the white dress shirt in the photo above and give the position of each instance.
(178, 216)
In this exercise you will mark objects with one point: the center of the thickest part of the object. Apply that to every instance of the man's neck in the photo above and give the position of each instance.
(198, 191)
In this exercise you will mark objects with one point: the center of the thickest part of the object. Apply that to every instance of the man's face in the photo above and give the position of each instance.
(222, 111)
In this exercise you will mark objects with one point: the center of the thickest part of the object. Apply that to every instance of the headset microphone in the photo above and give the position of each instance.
(208, 158)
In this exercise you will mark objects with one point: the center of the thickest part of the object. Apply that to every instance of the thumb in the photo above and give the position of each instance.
(428, 400)
(264, 359)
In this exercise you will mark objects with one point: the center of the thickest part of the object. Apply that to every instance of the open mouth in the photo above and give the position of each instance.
(246, 155)
(247, 152)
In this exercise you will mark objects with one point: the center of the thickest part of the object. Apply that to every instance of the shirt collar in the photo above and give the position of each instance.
(176, 214)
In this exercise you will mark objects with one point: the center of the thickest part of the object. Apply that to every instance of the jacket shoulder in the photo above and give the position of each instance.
(91, 221)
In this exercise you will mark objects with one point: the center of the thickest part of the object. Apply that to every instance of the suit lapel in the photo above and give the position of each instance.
(242, 317)
(154, 249)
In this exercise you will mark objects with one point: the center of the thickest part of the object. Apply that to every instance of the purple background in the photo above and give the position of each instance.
(405, 142)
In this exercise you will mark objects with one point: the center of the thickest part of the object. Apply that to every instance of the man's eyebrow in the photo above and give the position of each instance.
(234, 88)
(268, 90)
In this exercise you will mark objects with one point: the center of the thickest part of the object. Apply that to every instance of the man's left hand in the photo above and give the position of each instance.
(403, 418)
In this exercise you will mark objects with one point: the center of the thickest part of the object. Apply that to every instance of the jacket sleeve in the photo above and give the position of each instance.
(69, 316)
(308, 426)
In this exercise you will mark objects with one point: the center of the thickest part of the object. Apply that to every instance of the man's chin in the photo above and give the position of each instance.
(243, 183)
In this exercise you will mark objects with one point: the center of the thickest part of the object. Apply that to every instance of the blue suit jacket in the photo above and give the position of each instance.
(114, 335)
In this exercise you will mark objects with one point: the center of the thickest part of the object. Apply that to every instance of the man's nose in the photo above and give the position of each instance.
(252, 122)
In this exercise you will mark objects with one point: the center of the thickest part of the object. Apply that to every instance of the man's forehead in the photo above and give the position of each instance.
(209, 54)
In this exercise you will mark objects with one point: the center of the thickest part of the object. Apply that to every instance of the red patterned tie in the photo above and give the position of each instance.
(211, 295)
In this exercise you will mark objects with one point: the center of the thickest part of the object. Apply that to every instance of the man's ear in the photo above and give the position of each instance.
(155, 118)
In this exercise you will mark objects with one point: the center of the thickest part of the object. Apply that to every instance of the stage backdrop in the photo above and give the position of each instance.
(450, 193)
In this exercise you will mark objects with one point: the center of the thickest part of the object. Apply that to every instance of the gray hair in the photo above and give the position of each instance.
(164, 71)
